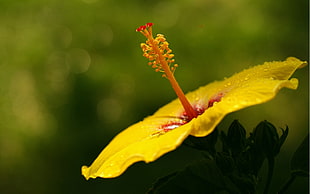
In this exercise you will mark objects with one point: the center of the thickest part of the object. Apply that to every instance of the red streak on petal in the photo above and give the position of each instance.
(172, 125)
(214, 99)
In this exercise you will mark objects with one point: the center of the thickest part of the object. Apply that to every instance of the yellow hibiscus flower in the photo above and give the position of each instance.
(196, 113)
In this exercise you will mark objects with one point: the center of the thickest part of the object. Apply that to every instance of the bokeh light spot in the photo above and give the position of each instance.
(78, 60)
(109, 110)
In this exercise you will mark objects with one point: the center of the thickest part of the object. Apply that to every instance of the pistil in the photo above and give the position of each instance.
(161, 59)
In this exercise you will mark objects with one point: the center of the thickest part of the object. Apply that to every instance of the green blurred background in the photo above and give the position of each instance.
(72, 76)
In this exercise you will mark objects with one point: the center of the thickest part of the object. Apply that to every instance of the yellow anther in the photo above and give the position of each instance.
(157, 50)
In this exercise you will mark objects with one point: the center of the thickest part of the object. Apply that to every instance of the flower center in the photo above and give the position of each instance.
(160, 58)
(184, 118)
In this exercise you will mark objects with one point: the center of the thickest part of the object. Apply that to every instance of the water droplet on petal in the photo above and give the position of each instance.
(227, 84)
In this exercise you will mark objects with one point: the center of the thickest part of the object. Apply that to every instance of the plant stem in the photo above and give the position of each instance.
(287, 184)
(270, 173)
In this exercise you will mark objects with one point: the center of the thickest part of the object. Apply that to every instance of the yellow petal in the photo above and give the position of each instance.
(140, 142)
(146, 140)
(247, 88)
